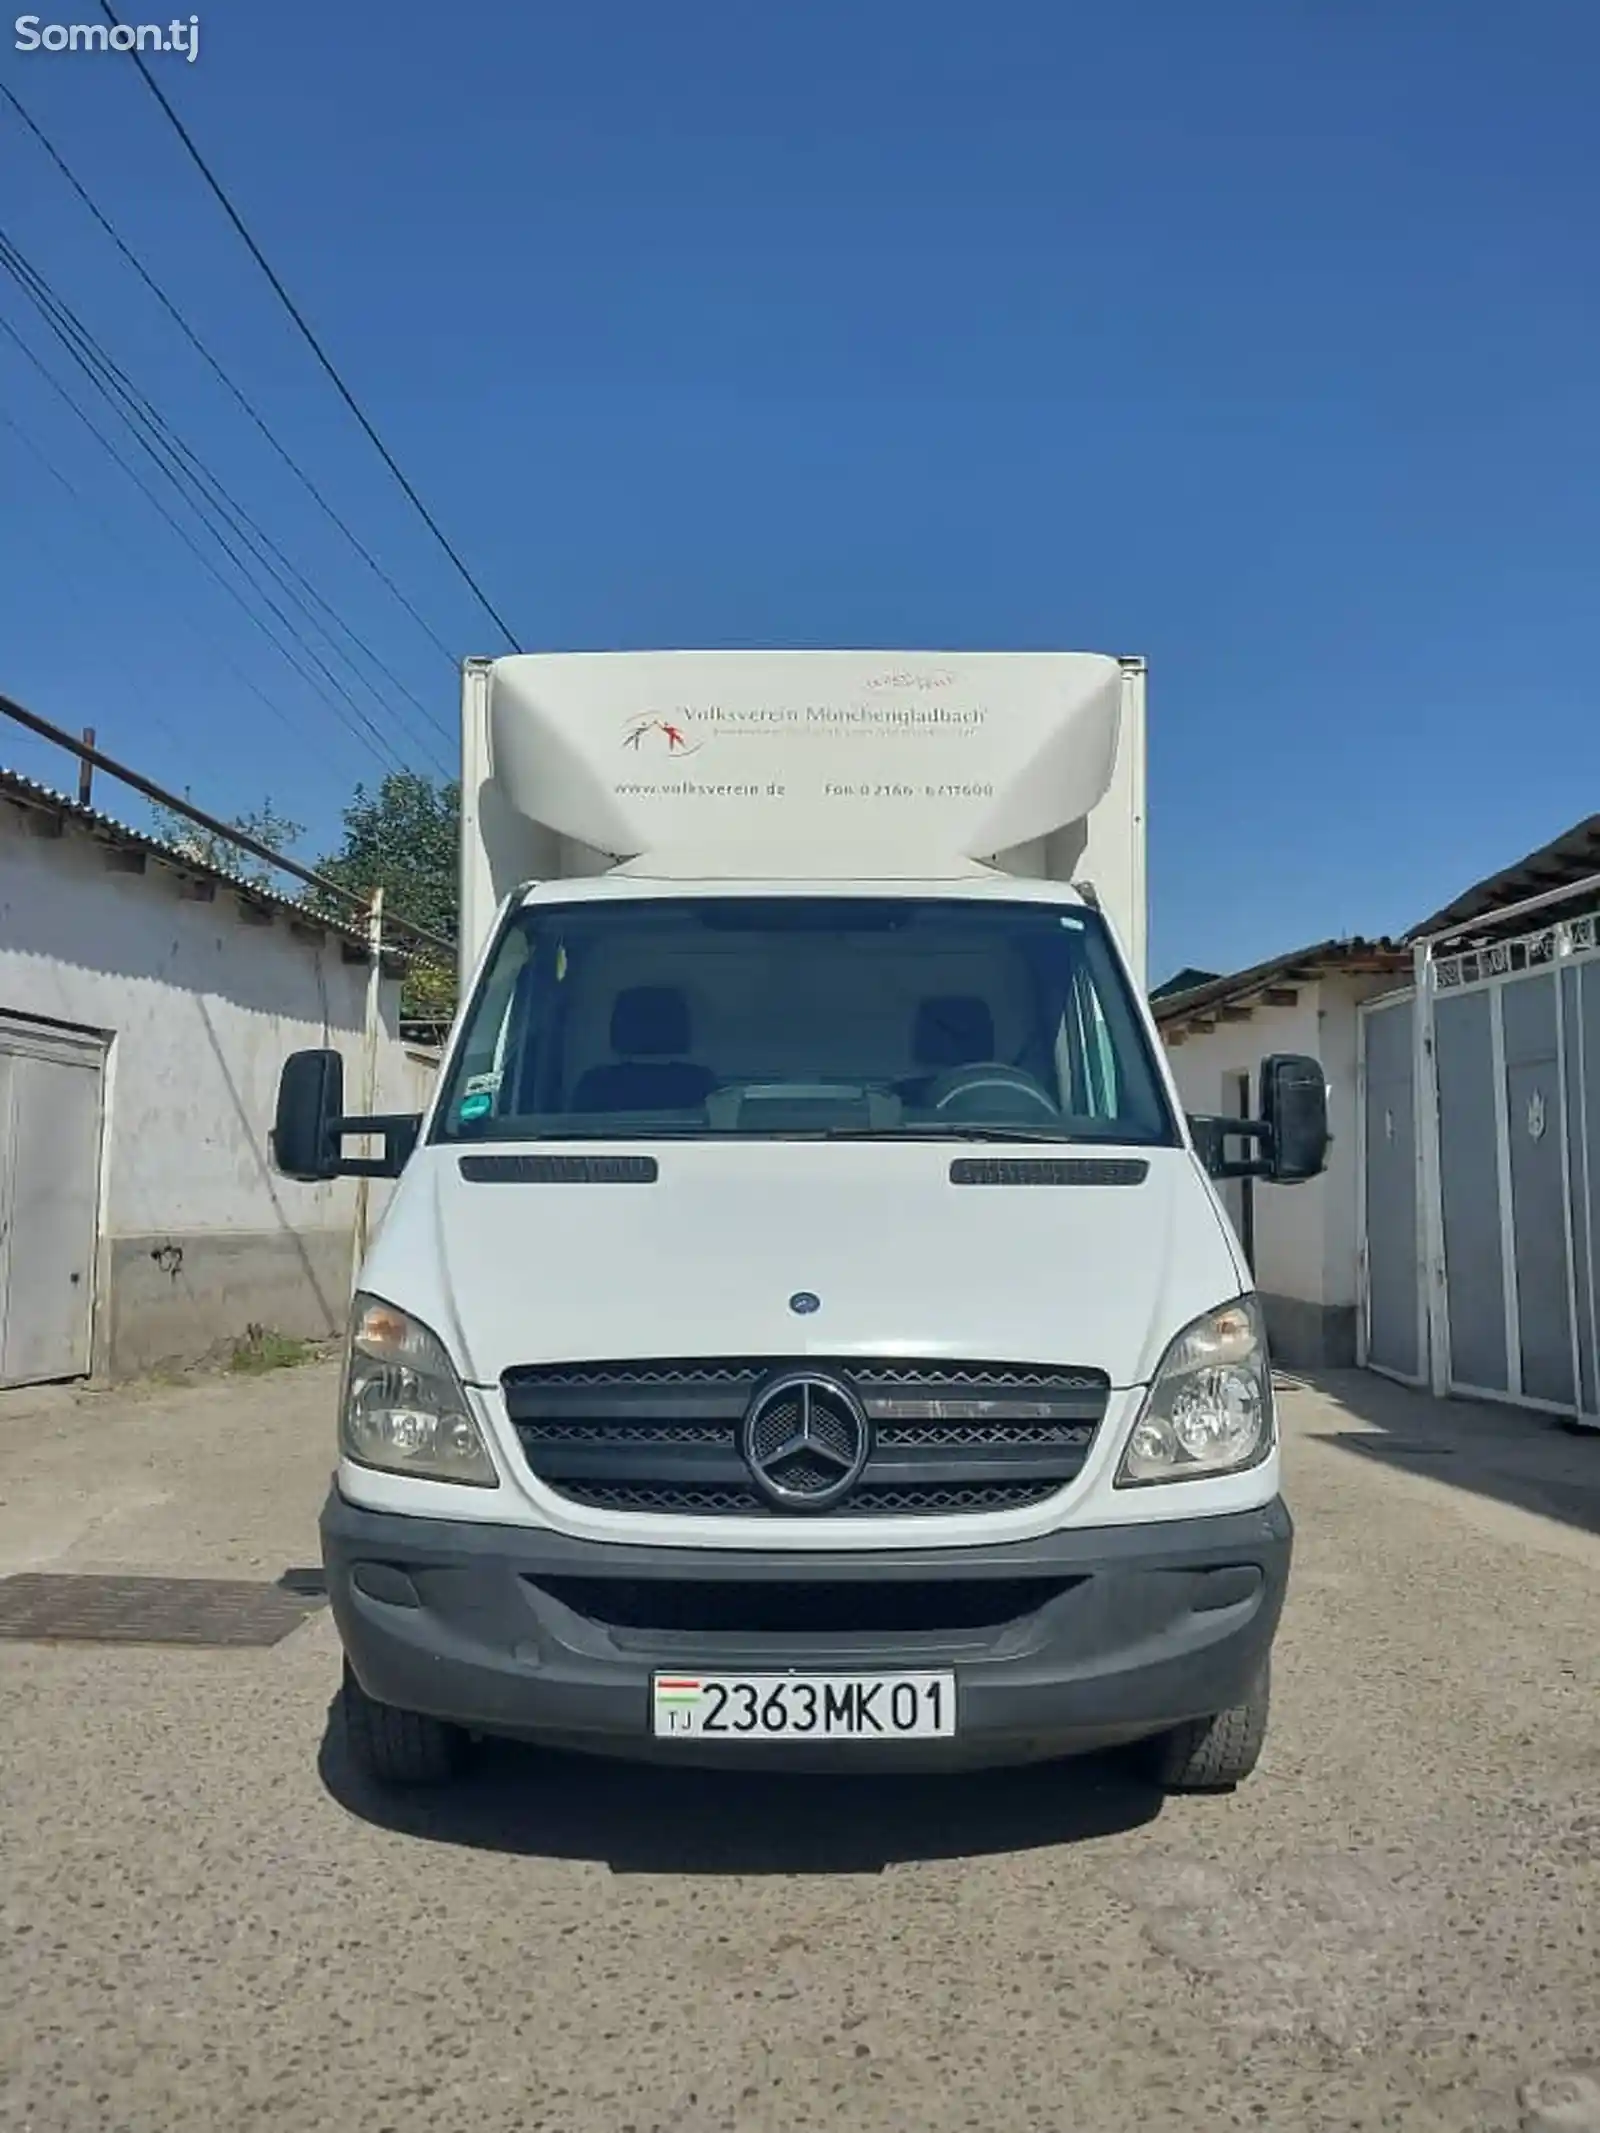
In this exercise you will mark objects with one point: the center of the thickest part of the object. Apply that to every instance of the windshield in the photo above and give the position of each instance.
(803, 1016)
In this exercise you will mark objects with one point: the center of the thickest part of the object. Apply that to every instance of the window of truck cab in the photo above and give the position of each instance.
(749, 1014)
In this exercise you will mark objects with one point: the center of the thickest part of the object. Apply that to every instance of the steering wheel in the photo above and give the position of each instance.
(996, 1087)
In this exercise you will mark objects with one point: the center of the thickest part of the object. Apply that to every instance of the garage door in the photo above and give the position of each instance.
(51, 1093)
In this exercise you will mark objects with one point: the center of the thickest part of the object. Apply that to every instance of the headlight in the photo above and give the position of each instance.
(1209, 1408)
(404, 1411)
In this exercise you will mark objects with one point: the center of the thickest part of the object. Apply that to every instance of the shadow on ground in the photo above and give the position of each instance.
(308, 1582)
(1514, 1456)
(640, 1819)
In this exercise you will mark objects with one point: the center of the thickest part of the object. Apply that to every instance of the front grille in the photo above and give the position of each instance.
(816, 1608)
(662, 1437)
(731, 1501)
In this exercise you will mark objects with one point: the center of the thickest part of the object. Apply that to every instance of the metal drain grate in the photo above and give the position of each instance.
(217, 1612)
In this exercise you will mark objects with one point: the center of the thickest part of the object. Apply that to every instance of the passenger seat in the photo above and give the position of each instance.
(650, 1032)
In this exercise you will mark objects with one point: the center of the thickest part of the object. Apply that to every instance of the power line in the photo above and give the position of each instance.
(98, 368)
(32, 445)
(369, 734)
(230, 831)
(284, 651)
(309, 337)
(201, 493)
(236, 392)
(140, 414)
(146, 698)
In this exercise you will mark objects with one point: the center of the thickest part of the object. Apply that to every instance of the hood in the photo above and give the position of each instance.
(704, 1261)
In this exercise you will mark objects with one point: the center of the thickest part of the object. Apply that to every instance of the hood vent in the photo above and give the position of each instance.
(1028, 1170)
(560, 1169)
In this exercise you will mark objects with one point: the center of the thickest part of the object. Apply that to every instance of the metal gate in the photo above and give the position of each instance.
(51, 1101)
(1509, 1186)
(1391, 1324)
(1580, 1038)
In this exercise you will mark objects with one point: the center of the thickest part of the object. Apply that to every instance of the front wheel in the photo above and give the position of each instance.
(398, 1747)
(1213, 1754)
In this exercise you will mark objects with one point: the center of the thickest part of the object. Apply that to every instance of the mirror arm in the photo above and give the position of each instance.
(399, 1130)
(1210, 1131)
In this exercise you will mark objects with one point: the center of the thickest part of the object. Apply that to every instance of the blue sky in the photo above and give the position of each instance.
(1259, 339)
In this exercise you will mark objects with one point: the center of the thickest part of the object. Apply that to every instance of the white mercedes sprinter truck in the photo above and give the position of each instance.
(804, 1330)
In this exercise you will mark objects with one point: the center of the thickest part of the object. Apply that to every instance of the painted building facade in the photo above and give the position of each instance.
(147, 1002)
(1300, 1239)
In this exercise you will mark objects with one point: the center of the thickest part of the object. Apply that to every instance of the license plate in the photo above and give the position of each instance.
(798, 1707)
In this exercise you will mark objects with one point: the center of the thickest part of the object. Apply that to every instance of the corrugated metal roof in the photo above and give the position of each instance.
(1566, 861)
(1183, 981)
(44, 799)
(1250, 987)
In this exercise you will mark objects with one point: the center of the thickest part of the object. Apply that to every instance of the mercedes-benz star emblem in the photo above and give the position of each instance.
(806, 1440)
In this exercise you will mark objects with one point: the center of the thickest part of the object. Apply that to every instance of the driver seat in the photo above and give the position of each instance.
(949, 1030)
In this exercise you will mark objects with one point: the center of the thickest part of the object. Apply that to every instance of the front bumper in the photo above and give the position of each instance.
(1074, 1641)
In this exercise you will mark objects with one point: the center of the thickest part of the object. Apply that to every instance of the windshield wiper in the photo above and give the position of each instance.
(944, 1133)
(1034, 1134)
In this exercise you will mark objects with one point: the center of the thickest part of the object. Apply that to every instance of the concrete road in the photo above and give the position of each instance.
(205, 1924)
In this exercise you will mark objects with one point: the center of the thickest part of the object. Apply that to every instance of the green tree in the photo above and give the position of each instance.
(405, 839)
(263, 823)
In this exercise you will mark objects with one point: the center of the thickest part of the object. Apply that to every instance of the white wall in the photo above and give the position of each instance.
(418, 1075)
(201, 1008)
(1289, 1219)
(1305, 1235)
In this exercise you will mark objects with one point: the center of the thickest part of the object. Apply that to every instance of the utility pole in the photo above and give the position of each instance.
(369, 1077)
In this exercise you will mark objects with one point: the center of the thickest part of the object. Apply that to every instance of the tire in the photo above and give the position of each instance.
(398, 1747)
(1213, 1754)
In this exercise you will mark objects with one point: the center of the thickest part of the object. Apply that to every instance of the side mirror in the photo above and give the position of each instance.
(305, 1142)
(309, 1128)
(1208, 1135)
(1294, 1110)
